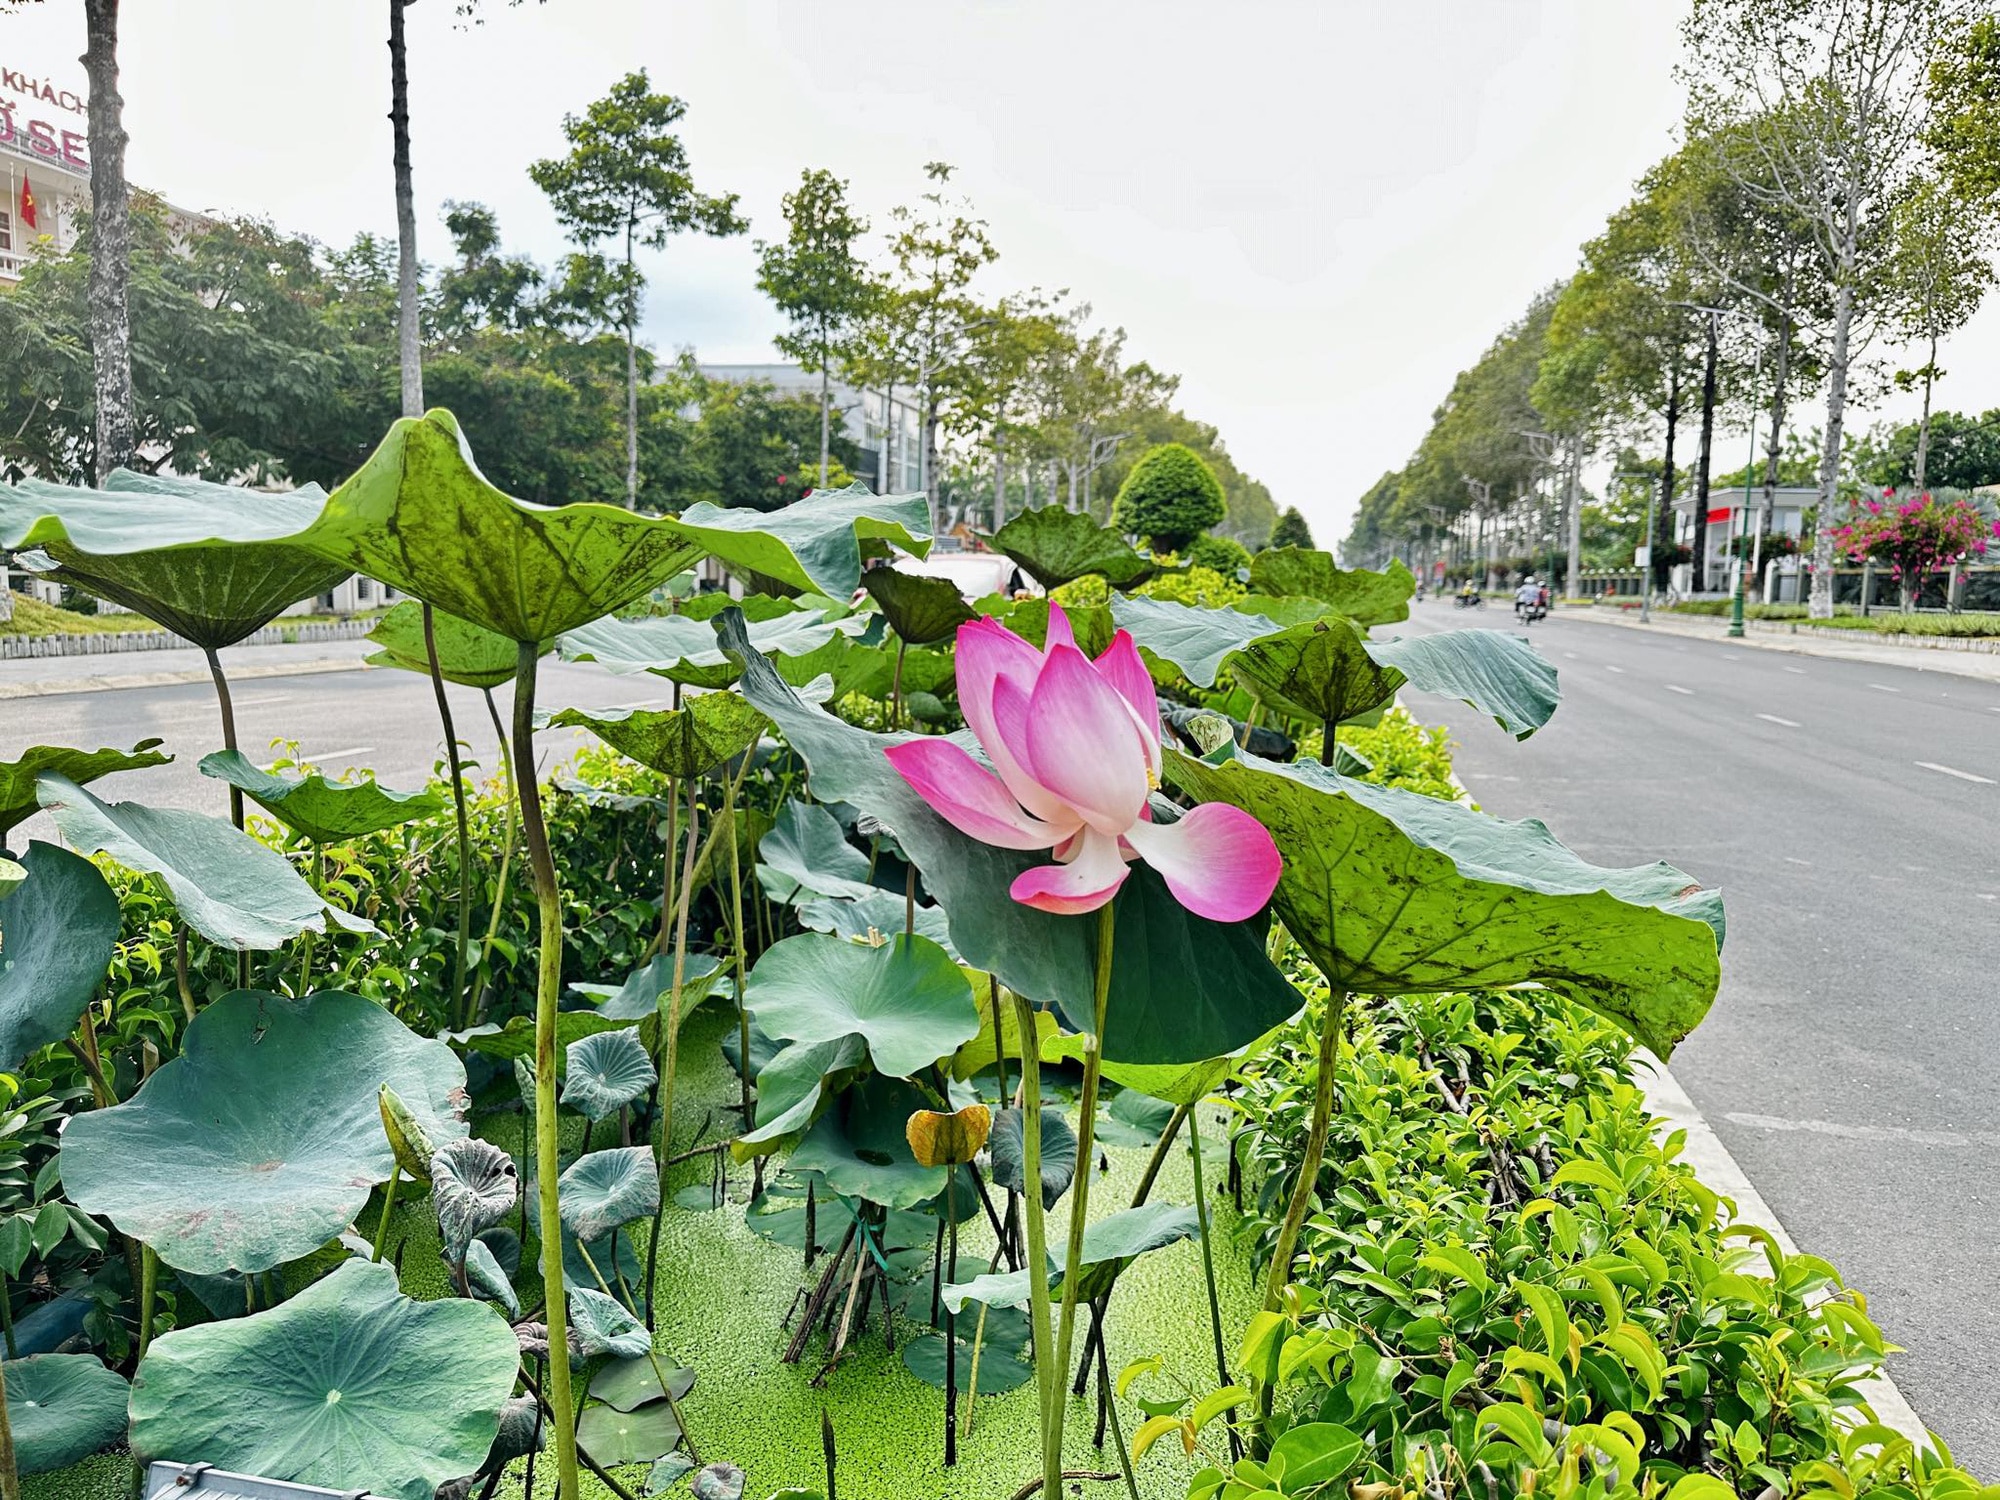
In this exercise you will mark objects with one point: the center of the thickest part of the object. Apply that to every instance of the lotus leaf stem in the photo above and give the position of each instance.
(458, 999)
(1208, 1275)
(548, 989)
(7, 1317)
(181, 970)
(1048, 1380)
(149, 1276)
(1159, 1156)
(506, 865)
(951, 1325)
(388, 1204)
(652, 1358)
(227, 709)
(972, 1381)
(1109, 1398)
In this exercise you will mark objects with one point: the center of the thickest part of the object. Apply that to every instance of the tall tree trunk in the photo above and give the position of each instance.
(888, 440)
(825, 415)
(409, 349)
(1698, 536)
(930, 454)
(1573, 517)
(631, 378)
(1774, 449)
(1821, 606)
(999, 480)
(1924, 426)
(1663, 532)
(117, 435)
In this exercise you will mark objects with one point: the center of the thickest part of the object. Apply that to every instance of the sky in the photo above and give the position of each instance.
(1315, 213)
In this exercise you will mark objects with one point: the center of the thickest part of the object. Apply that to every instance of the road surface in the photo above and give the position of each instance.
(1849, 813)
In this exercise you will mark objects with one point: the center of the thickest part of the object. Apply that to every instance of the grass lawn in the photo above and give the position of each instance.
(32, 617)
(724, 1290)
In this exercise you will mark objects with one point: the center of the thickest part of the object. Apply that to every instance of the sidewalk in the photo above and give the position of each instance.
(1774, 635)
(42, 676)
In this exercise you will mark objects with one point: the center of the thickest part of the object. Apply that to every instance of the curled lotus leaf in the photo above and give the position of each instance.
(473, 1186)
(348, 1384)
(211, 562)
(718, 1481)
(920, 610)
(1055, 546)
(1109, 1245)
(62, 1408)
(607, 1190)
(941, 1139)
(1365, 597)
(317, 808)
(1058, 1158)
(468, 654)
(487, 1281)
(231, 889)
(691, 740)
(520, 1433)
(606, 1072)
(791, 1085)
(1320, 671)
(806, 854)
(668, 1471)
(263, 1139)
(57, 936)
(18, 799)
(604, 1325)
(407, 1139)
(682, 648)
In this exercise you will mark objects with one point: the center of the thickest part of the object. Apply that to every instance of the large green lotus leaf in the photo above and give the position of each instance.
(1057, 1161)
(211, 562)
(1177, 1084)
(647, 988)
(607, 1190)
(323, 811)
(420, 516)
(859, 1150)
(1109, 1245)
(62, 1408)
(231, 889)
(1432, 895)
(613, 1437)
(606, 1072)
(350, 1384)
(878, 911)
(791, 1085)
(600, 1324)
(18, 801)
(1195, 640)
(57, 936)
(468, 654)
(905, 998)
(1320, 671)
(1056, 546)
(629, 1384)
(1182, 988)
(1497, 673)
(260, 1142)
(688, 741)
(1092, 625)
(1364, 597)
(807, 854)
(682, 648)
(920, 610)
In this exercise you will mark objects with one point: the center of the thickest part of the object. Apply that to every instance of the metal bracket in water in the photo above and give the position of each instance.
(171, 1481)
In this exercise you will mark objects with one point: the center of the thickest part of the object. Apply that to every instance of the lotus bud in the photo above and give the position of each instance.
(407, 1139)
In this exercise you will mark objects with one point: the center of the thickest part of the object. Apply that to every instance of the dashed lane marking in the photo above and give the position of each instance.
(1609, 668)
(1931, 765)
(1774, 719)
(1674, 687)
(1882, 687)
(348, 754)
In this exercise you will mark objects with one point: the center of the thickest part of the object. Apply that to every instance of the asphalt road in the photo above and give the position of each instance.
(1848, 813)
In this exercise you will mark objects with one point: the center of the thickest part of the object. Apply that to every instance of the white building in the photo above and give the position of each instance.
(1728, 517)
(872, 422)
(44, 156)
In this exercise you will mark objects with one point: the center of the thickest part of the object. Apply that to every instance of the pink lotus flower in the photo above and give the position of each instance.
(1076, 745)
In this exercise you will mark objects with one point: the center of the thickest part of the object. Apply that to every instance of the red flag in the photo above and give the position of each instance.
(27, 203)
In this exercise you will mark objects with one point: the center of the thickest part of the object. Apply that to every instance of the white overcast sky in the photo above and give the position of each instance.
(1315, 211)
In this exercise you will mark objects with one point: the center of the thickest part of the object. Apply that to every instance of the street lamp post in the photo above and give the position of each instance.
(1742, 559)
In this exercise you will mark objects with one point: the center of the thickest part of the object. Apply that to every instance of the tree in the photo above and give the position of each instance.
(818, 282)
(409, 342)
(115, 435)
(1170, 498)
(1941, 269)
(1963, 453)
(627, 175)
(1830, 98)
(1291, 530)
(1915, 537)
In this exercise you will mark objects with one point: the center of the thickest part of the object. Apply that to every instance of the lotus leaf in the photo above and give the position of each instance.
(905, 998)
(1057, 546)
(1109, 1245)
(260, 1142)
(485, 1279)
(211, 562)
(629, 1384)
(1364, 597)
(607, 1190)
(1091, 625)
(1003, 1366)
(606, 1072)
(1183, 989)
(11, 877)
(612, 1437)
(859, 1151)
(718, 1481)
(18, 799)
(790, 1085)
(520, 1433)
(612, 1257)
(421, 517)
(944, 1139)
(323, 811)
(603, 1325)
(407, 1139)
(920, 610)
(57, 936)
(1134, 1119)
(62, 1408)
(231, 889)
(682, 648)
(1320, 671)
(1497, 673)
(474, 1185)
(1058, 1160)
(1433, 895)
(1177, 1084)
(688, 741)
(349, 1383)
(668, 1471)
(639, 996)
(807, 854)
(516, 1039)
(468, 654)
(877, 912)
(1193, 639)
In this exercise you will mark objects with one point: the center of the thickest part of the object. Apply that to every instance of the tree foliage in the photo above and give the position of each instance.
(1170, 498)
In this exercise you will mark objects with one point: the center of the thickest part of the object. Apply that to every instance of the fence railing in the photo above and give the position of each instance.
(110, 642)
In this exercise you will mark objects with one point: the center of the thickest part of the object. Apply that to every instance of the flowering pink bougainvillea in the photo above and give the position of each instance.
(1076, 745)
(1915, 537)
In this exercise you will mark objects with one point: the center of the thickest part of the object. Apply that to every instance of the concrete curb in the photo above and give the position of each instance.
(1712, 1163)
(1982, 666)
(110, 681)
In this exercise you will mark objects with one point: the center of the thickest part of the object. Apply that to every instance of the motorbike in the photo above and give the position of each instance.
(1528, 613)
(1468, 601)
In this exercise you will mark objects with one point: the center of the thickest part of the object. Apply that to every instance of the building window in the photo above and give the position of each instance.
(6, 232)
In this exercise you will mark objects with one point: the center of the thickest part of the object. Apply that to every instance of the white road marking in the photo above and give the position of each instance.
(253, 702)
(1796, 671)
(1609, 668)
(1899, 1133)
(1988, 896)
(1570, 656)
(1676, 688)
(1774, 719)
(1884, 688)
(347, 754)
(1794, 860)
(1931, 765)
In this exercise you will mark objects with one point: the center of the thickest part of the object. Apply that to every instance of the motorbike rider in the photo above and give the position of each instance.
(1468, 591)
(1528, 597)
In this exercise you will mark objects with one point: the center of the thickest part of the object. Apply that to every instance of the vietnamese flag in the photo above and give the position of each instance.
(27, 203)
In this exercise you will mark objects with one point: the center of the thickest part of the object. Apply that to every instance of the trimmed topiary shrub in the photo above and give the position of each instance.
(1170, 498)
(1222, 553)
(1291, 530)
